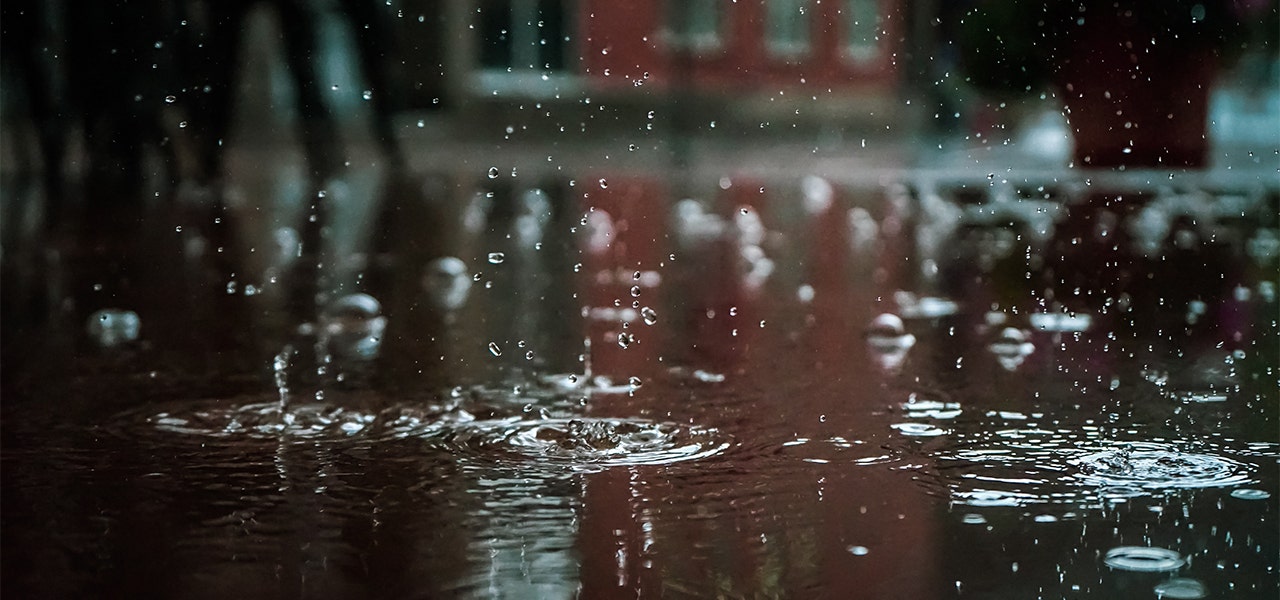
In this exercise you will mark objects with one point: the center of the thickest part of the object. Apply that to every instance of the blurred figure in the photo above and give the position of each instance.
(213, 57)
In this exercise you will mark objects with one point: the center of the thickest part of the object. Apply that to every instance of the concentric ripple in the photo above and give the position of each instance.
(1143, 559)
(236, 419)
(1079, 467)
(584, 442)
(1157, 467)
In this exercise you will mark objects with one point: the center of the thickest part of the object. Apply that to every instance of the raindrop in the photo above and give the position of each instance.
(625, 339)
(496, 258)
(112, 326)
(635, 291)
(445, 282)
(170, 99)
(367, 95)
(493, 172)
(649, 315)
(494, 349)
(635, 382)
(603, 183)
(354, 326)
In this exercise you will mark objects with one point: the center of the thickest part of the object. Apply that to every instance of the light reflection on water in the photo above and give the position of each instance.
(745, 442)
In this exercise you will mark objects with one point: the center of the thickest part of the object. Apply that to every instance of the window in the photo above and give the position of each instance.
(862, 29)
(523, 35)
(787, 26)
(694, 23)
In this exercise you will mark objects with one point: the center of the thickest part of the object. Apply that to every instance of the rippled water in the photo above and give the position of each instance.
(680, 421)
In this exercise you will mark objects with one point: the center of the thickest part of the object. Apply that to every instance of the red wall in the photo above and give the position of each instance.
(621, 41)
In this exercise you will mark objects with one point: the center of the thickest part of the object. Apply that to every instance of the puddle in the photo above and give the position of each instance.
(582, 443)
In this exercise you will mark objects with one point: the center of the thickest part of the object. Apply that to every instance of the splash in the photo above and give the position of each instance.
(583, 443)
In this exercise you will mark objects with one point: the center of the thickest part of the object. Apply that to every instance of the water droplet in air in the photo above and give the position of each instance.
(446, 283)
(112, 326)
(635, 291)
(496, 258)
(858, 550)
(635, 382)
(494, 349)
(625, 339)
(603, 183)
(493, 172)
(649, 315)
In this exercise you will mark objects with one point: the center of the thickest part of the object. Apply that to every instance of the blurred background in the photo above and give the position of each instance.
(420, 205)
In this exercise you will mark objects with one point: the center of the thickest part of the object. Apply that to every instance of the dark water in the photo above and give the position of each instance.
(625, 396)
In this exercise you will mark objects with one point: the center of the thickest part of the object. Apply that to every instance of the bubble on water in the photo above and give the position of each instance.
(583, 443)
(649, 315)
(494, 349)
(1143, 559)
(1011, 348)
(1181, 588)
(493, 172)
(354, 326)
(1250, 494)
(111, 327)
(496, 258)
(446, 283)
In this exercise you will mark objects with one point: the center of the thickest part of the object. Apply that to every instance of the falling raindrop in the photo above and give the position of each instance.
(112, 326)
(649, 315)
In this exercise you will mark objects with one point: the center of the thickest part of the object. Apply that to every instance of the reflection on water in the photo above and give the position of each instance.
(607, 391)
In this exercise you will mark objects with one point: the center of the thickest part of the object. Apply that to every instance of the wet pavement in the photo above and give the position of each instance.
(606, 382)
